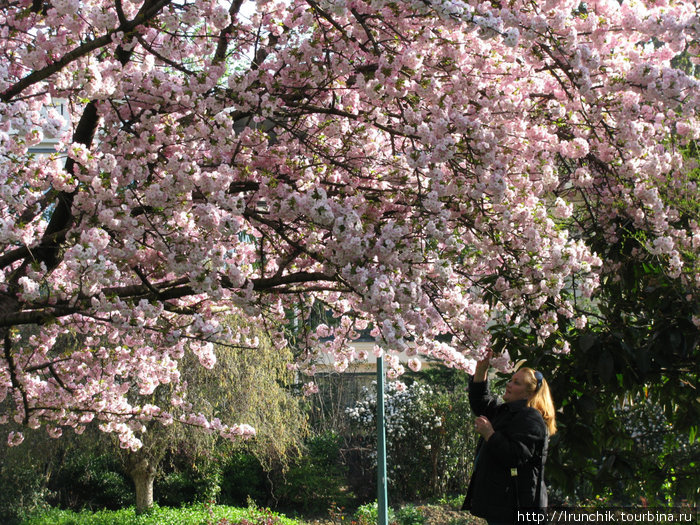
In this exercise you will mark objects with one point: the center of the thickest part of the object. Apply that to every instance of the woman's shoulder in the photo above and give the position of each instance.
(530, 416)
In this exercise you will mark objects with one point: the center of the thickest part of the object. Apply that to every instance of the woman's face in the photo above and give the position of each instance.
(516, 388)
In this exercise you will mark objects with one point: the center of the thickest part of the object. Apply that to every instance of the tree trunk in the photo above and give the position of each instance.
(143, 473)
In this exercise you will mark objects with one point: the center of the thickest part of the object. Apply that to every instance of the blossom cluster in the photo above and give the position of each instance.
(402, 406)
(412, 423)
(421, 172)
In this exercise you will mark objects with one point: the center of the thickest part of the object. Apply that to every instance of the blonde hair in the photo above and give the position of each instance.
(542, 399)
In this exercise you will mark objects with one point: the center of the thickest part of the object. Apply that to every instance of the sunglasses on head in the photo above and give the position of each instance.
(539, 377)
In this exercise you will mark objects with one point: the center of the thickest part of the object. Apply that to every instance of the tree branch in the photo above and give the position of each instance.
(177, 289)
(34, 77)
(222, 44)
(13, 374)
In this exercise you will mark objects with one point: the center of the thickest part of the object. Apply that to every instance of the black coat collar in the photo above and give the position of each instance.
(515, 406)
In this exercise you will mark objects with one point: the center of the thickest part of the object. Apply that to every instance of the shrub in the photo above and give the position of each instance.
(197, 482)
(410, 515)
(452, 501)
(197, 514)
(317, 479)
(23, 492)
(368, 514)
(87, 479)
(429, 444)
(243, 478)
(258, 517)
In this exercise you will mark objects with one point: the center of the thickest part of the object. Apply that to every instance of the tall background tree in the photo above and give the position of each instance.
(425, 168)
(186, 463)
(252, 383)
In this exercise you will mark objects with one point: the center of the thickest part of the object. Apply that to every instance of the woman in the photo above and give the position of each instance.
(508, 478)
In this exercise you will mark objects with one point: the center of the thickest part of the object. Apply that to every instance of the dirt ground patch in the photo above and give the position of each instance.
(443, 515)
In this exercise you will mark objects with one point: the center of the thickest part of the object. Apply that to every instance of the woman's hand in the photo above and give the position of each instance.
(483, 427)
(482, 368)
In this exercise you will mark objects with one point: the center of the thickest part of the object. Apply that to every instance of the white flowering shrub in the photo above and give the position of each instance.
(429, 443)
(640, 455)
(665, 456)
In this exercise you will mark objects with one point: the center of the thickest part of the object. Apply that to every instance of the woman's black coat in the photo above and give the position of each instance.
(509, 468)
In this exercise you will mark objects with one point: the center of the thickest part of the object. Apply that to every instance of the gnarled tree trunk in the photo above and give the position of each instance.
(143, 472)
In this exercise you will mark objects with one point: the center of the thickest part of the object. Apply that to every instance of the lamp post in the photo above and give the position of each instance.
(382, 500)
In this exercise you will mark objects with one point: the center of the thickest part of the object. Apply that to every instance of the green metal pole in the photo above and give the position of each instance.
(382, 500)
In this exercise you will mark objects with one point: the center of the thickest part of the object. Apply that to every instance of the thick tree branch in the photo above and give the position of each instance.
(226, 33)
(13, 374)
(148, 11)
(177, 289)
(62, 217)
(22, 252)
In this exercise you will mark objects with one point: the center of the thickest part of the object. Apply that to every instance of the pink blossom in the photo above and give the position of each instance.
(562, 209)
(310, 388)
(575, 149)
(15, 438)
(414, 364)
(415, 174)
(502, 362)
(563, 348)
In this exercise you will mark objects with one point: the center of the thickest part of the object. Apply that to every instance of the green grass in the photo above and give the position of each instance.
(189, 515)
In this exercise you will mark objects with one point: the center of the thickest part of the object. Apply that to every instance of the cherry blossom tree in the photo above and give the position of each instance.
(422, 168)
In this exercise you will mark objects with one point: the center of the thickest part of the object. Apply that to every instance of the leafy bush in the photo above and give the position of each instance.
(261, 517)
(666, 458)
(317, 479)
(188, 478)
(71, 472)
(173, 489)
(410, 515)
(91, 480)
(23, 491)
(180, 488)
(198, 514)
(453, 501)
(429, 444)
(243, 478)
(368, 514)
